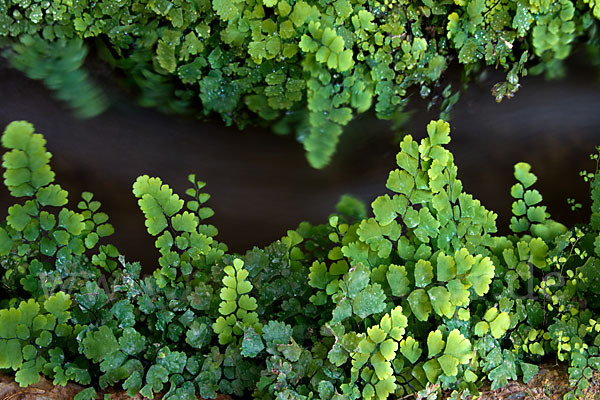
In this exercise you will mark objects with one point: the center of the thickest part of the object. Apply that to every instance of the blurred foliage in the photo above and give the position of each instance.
(305, 67)
(59, 64)
(423, 296)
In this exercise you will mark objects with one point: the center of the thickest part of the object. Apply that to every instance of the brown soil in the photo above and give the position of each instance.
(45, 390)
(551, 383)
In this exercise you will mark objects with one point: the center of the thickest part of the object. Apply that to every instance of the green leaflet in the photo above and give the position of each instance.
(423, 273)
(420, 304)
(86, 394)
(100, 344)
(499, 324)
(523, 175)
(458, 346)
(185, 222)
(251, 344)
(71, 221)
(435, 343)
(410, 349)
(370, 300)
(481, 274)
(446, 268)
(132, 342)
(19, 217)
(52, 195)
(398, 280)
(318, 277)
(441, 301)
(157, 202)
(438, 132)
(358, 280)
(401, 182)
(448, 364)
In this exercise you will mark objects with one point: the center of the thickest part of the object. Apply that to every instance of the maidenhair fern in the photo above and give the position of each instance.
(51, 240)
(422, 296)
(184, 243)
(284, 61)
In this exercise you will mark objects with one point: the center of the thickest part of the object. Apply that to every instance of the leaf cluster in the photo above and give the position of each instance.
(284, 61)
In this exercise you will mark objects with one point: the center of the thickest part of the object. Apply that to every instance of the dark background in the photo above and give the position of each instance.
(261, 184)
